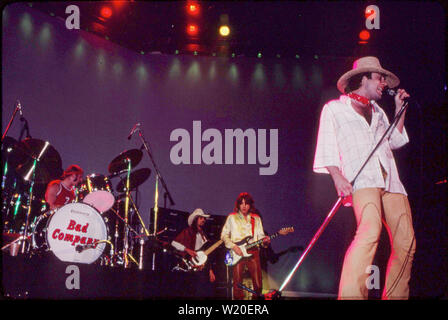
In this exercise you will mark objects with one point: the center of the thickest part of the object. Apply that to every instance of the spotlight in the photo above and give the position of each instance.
(364, 35)
(193, 8)
(224, 30)
(106, 12)
(192, 29)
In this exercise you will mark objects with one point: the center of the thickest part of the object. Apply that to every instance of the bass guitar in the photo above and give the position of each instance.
(198, 262)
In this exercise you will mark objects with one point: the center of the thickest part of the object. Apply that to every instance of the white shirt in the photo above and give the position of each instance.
(345, 140)
(237, 227)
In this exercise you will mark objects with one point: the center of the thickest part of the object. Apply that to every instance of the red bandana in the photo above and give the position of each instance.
(359, 98)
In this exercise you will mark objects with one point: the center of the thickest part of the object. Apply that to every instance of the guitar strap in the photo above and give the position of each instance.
(252, 221)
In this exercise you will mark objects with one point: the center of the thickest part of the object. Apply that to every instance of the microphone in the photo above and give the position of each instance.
(391, 92)
(19, 107)
(135, 128)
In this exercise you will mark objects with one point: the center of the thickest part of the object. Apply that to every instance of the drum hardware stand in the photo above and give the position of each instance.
(32, 172)
(340, 200)
(126, 218)
(19, 239)
(142, 229)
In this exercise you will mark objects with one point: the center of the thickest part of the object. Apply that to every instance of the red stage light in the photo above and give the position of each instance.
(106, 12)
(364, 35)
(192, 29)
(193, 8)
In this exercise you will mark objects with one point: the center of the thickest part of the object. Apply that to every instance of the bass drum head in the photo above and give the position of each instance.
(72, 227)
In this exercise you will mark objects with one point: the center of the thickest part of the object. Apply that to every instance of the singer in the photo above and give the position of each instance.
(349, 129)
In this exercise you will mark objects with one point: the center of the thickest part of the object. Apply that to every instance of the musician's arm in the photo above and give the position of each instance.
(51, 195)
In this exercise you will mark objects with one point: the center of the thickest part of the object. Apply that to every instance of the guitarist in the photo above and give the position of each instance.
(239, 224)
(187, 242)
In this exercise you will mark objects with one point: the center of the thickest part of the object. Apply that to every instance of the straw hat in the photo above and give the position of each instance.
(367, 64)
(197, 212)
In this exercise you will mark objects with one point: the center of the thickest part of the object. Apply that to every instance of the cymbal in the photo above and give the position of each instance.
(49, 164)
(9, 150)
(136, 178)
(9, 142)
(120, 162)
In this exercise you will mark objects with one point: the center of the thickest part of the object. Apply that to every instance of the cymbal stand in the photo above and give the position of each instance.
(143, 229)
(25, 231)
(126, 218)
(139, 216)
(32, 172)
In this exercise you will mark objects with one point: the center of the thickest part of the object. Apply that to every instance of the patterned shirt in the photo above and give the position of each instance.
(345, 139)
(237, 227)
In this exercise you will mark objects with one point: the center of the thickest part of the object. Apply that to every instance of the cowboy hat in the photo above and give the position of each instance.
(367, 64)
(197, 212)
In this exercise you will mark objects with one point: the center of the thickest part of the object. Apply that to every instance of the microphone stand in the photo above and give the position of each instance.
(18, 107)
(158, 177)
(339, 201)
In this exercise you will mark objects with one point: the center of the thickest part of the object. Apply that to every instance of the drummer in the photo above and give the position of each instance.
(62, 192)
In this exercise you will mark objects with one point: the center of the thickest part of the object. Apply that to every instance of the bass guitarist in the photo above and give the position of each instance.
(240, 224)
(187, 242)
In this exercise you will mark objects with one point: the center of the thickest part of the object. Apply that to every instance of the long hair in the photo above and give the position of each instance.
(247, 198)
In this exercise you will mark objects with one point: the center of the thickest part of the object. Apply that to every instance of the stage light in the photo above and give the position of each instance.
(364, 35)
(106, 12)
(297, 56)
(192, 29)
(224, 30)
(193, 8)
(259, 55)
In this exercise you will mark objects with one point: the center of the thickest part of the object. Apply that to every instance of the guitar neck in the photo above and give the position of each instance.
(213, 247)
(256, 243)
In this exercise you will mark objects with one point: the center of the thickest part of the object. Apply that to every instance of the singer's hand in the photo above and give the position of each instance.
(399, 99)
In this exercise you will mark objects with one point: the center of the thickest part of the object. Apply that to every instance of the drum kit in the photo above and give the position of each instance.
(79, 231)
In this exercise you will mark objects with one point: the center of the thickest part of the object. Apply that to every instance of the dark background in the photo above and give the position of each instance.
(83, 93)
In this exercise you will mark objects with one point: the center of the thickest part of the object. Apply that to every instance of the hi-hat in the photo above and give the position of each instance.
(120, 162)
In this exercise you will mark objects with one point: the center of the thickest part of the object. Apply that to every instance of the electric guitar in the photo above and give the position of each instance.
(232, 258)
(197, 263)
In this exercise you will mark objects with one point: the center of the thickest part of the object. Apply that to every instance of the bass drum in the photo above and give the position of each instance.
(72, 233)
